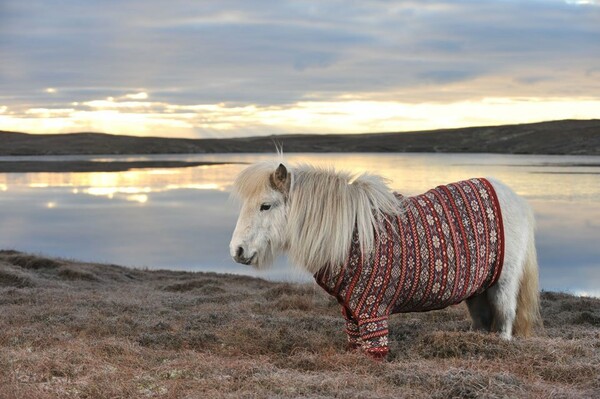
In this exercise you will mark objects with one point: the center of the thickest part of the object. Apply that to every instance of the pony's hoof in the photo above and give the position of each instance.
(352, 346)
(379, 354)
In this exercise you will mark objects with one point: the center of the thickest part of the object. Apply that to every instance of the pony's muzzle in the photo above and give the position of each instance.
(241, 257)
(239, 252)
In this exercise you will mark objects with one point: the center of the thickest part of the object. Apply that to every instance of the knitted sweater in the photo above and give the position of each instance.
(446, 246)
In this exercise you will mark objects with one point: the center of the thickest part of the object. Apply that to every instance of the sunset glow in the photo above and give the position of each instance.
(353, 116)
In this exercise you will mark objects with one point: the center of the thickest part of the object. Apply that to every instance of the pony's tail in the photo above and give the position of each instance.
(528, 300)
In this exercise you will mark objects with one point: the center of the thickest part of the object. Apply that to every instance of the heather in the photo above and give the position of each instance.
(77, 330)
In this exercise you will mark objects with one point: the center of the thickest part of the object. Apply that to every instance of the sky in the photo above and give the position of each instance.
(232, 68)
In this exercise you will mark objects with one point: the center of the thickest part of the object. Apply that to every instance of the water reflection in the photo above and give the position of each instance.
(182, 218)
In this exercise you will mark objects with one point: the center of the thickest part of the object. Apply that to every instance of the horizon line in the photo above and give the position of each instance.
(306, 134)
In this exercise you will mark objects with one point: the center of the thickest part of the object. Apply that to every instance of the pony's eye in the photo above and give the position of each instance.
(265, 207)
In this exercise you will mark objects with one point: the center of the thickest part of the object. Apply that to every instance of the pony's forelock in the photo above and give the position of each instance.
(253, 181)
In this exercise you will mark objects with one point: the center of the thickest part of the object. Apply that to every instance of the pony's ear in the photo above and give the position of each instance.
(280, 179)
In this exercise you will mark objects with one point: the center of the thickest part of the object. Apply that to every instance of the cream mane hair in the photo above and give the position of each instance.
(324, 207)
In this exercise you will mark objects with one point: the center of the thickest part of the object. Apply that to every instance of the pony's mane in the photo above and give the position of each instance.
(325, 208)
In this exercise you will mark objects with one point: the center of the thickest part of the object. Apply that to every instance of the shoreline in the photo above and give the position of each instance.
(95, 166)
(83, 166)
(72, 329)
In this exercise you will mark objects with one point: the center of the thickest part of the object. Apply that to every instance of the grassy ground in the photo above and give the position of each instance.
(78, 330)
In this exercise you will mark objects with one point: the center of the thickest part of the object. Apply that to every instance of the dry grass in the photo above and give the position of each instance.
(72, 330)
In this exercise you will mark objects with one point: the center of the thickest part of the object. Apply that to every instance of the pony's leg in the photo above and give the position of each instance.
(352, 330)
(481, 312)
(503, 296)
(374, 335)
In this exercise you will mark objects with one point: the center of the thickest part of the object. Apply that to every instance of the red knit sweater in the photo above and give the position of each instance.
(446, 246)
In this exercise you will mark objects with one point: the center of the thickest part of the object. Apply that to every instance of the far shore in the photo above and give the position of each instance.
(94, 166)
(572, 137)
(80, 330)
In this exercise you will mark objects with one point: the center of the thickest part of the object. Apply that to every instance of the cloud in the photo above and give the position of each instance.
(137, 96)
(281, 53)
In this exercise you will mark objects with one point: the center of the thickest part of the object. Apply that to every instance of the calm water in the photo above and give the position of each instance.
(183, 218)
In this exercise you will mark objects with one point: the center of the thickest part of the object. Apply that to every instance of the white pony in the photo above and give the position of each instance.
(363, 242)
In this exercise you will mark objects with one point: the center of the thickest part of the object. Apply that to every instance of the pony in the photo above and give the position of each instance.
(379, 253)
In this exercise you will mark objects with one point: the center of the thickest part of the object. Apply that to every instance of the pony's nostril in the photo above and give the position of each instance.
(239, 252)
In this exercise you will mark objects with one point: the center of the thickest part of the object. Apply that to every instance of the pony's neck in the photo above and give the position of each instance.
(325, 207)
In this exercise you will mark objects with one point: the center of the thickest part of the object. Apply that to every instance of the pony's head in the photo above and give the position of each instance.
(260, 232)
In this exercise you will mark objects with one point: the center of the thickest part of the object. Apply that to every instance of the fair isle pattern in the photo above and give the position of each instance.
(446, 246)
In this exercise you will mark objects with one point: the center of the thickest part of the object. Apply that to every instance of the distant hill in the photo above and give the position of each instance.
(577, 137)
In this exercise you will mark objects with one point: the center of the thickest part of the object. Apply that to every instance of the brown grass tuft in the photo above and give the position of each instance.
(188, 285)
(12, 278)
(69, 273)
(586, 317)
(470, 345)
(32, 262)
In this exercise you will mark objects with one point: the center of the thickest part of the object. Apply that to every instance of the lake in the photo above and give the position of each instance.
(183, 218)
